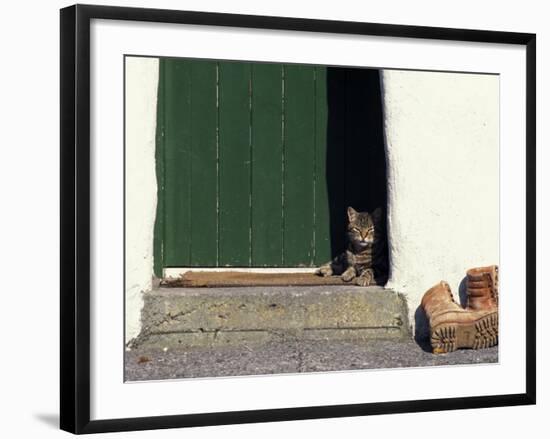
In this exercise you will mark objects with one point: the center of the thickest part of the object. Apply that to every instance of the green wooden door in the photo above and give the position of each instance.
(241, 165)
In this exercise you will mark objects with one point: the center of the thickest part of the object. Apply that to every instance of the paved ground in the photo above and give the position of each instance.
(291, 357)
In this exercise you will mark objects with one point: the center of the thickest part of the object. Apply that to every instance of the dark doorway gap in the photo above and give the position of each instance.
(356, 158)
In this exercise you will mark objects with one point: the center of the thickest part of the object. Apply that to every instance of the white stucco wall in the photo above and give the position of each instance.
(443, 177)
(442, 153)
(141, 200)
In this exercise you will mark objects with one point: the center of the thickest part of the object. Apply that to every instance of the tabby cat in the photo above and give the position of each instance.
(365, 259)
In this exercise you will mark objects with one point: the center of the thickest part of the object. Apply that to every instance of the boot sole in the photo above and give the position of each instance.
(479, 334)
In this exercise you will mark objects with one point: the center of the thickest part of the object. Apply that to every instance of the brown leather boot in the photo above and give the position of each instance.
(482, 288)
(452, 327)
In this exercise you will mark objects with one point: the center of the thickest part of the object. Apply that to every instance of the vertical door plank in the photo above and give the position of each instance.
(204, 178)
(336, 157)
(177, 162)
(299, 124)
(158, 243)
(267, 221)
(234, 164)
(322, 212)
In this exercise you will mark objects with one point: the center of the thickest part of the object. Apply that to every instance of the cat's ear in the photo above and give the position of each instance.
(378, 215)
(352, 214)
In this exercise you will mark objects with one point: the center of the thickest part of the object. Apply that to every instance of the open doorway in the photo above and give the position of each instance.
(257, 162)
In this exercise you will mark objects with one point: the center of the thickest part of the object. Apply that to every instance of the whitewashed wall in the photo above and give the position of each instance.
(443, 177)
(141, 200)
(442, 153)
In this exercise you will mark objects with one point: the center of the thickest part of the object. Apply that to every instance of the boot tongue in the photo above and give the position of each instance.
(448, 289)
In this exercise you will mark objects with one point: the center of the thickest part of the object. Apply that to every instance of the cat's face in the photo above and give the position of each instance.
(362, 226)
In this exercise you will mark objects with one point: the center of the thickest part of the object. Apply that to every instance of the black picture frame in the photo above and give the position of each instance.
(75, 218)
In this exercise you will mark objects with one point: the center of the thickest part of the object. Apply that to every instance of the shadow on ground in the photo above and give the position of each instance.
(422, 330)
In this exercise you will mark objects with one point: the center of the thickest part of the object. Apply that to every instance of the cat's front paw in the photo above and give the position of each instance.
(366, 279)
(325, 270)
(348, 275)
(362, 282)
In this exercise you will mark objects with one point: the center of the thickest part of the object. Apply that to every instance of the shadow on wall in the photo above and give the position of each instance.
(356, 158)
(462, 292)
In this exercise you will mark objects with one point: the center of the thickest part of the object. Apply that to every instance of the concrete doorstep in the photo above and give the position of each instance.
(185, 318)
(214, 332)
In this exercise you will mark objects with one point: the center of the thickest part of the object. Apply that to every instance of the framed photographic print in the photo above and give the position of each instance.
(276, 218)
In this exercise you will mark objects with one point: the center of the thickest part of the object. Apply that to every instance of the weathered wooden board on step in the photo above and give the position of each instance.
(212, 279)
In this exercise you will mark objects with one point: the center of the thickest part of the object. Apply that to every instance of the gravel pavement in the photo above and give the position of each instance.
(291, 357)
